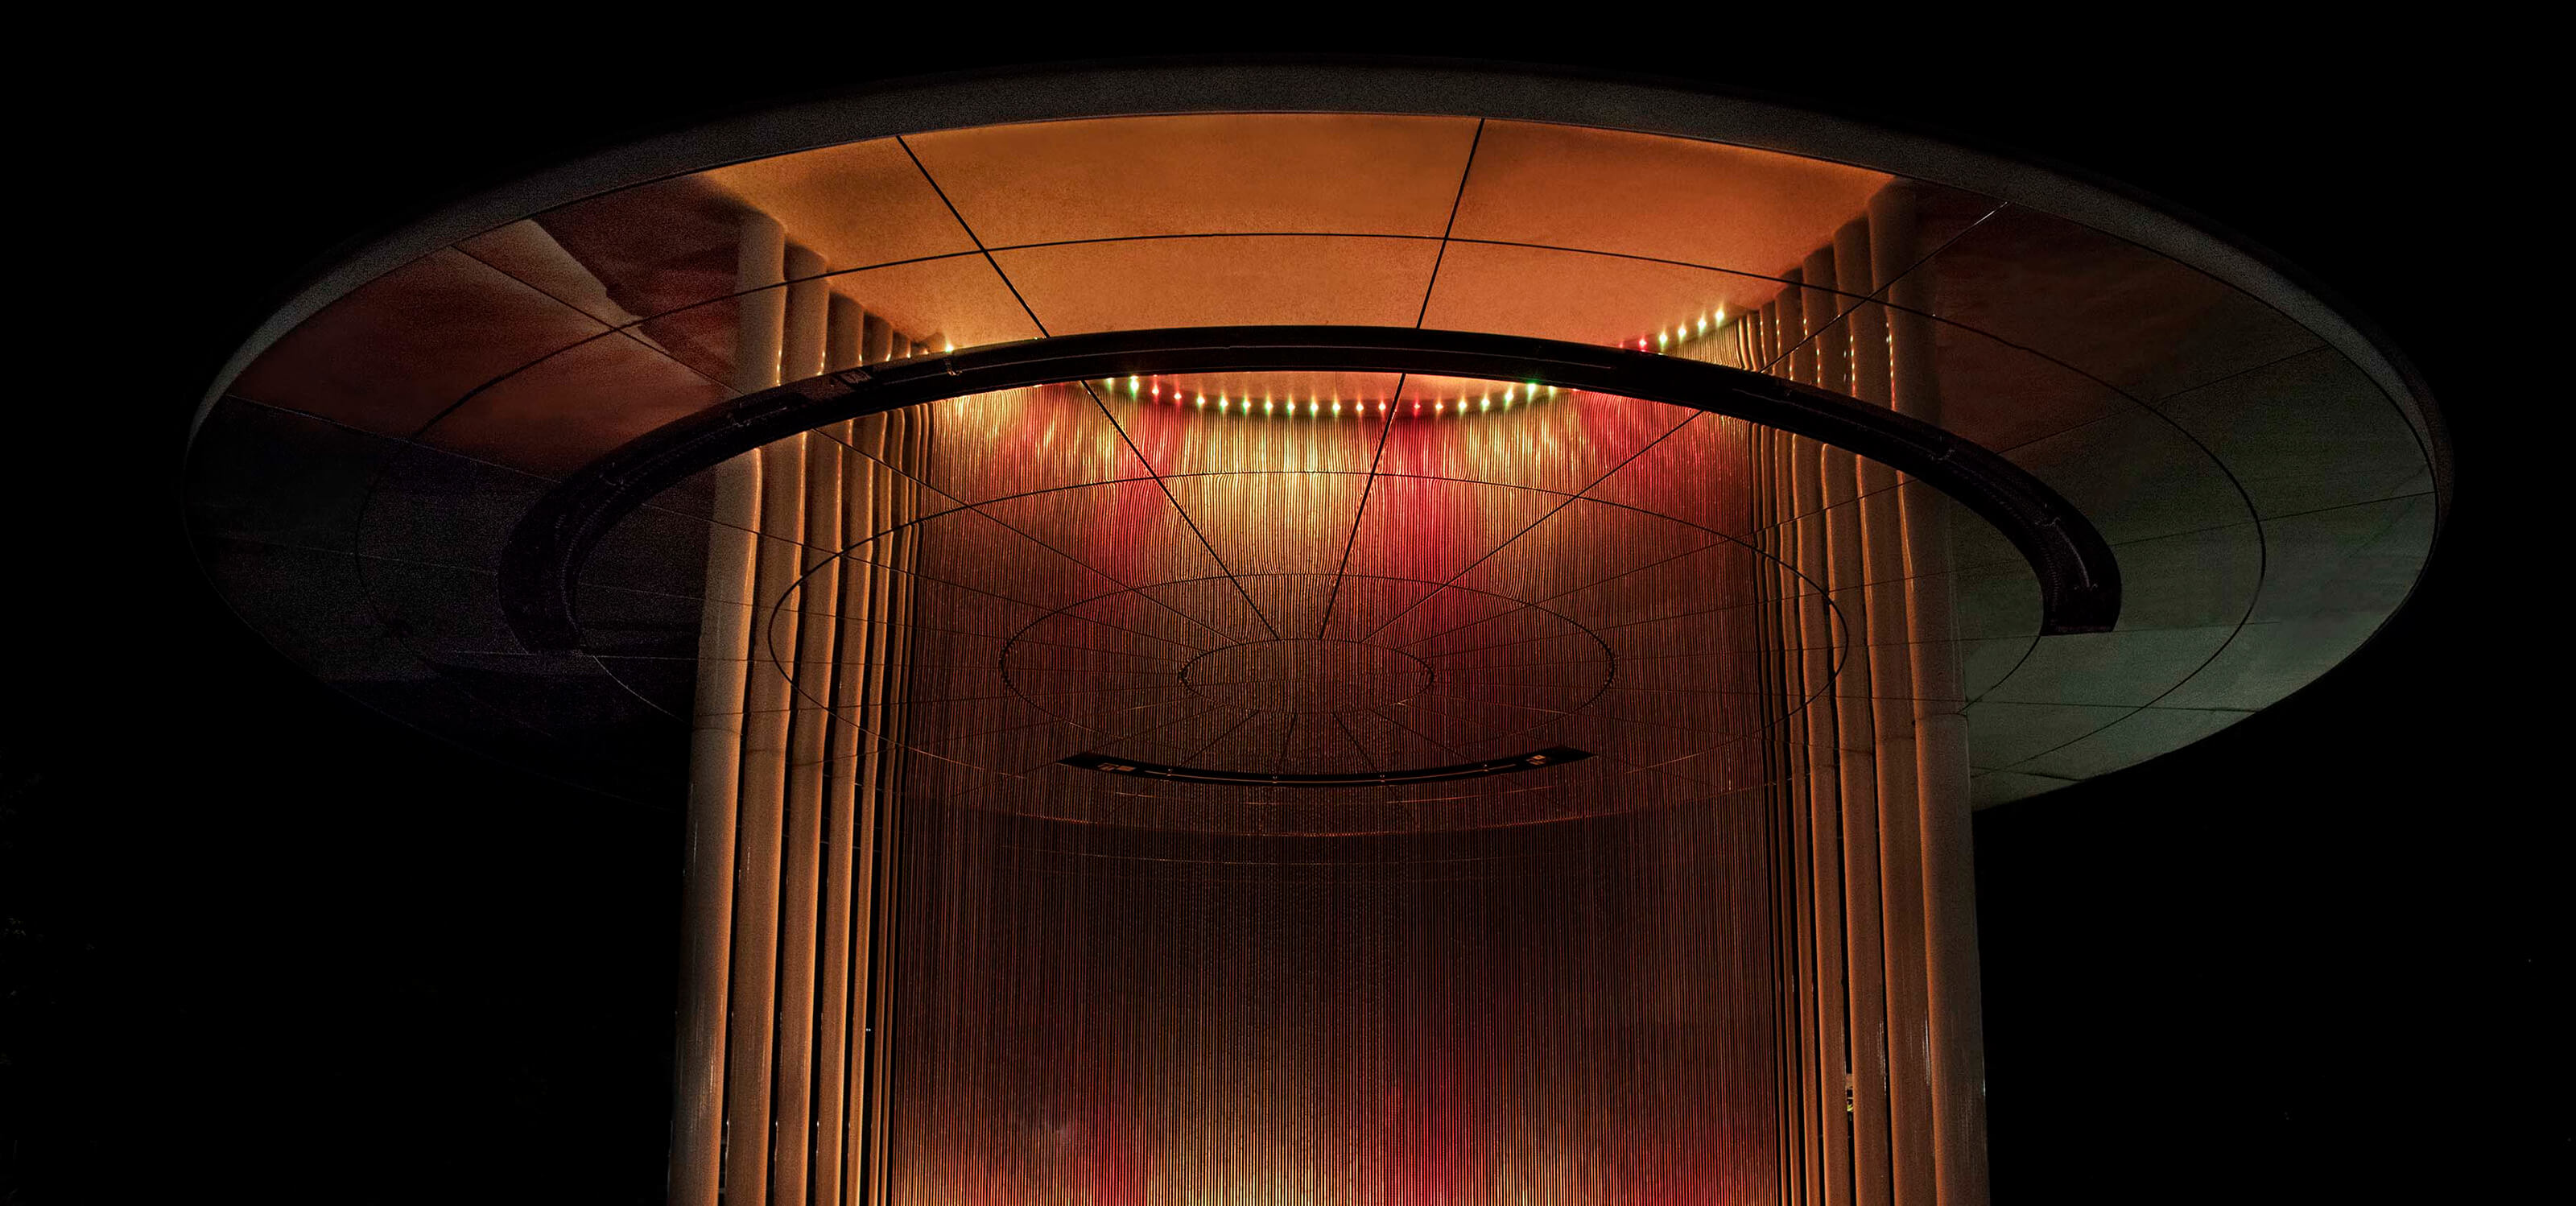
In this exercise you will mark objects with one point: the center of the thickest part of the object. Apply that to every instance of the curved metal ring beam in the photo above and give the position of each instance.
(1554, 755)
(2079, 580)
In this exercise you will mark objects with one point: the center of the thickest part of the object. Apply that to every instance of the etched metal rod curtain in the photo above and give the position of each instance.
(913, 982)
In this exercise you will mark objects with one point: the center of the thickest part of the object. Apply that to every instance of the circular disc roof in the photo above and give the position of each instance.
(1305, 571)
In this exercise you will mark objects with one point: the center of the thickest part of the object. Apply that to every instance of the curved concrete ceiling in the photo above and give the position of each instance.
(2267, 485)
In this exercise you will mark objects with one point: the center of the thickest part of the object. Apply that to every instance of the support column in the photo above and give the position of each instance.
(864, 670)
(782, 1066)
(900, 437)
(798, 639)
(1954, 1007)
(1892, 720)
(1804, 1154)
(876, 340)
(1799, 354)
(767, 695)
(698, 1132)
(1858, 781)
(1828, 338)
(841, 617)
(1832, 1060)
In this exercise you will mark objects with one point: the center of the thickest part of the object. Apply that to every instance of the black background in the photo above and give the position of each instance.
(263, 942)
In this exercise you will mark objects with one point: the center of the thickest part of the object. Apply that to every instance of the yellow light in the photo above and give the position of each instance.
(1337, 408)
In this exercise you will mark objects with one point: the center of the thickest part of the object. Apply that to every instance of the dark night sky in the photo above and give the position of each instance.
(261, 940)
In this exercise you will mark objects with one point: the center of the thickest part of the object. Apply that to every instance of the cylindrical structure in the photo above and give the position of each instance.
(801, 1065)
(1146, 866)
(1796, 358)
(800, 671)
(1954, 1007)
(901, 438)
(724, 644)
(844, 336)
(840, 796)
(1808, 1158)
(796, 638)
(1834, 951)
(761, 848)
(1864, 346)
(1828, 338)
(1856, 757)
(876, 340)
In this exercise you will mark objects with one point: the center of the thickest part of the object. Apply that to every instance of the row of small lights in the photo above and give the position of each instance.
(1316, 407)
(1662, 340)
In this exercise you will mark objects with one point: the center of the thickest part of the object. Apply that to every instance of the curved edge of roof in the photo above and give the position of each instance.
(1523, 92)
(1514, 92)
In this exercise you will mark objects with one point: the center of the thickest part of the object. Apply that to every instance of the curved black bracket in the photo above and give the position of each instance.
(2079, 580)
(1554, 755)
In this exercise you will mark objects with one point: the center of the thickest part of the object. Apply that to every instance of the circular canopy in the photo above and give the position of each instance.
(1418, 569)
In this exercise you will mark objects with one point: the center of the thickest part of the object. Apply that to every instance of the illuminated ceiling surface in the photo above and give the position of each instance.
(1520, 574)
(1302, 573)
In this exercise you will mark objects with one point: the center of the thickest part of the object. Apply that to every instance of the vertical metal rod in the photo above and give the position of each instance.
(798, 635)
(1862, 339)
(698, 1125)
(1856, 760)
(1954, 1002)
